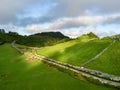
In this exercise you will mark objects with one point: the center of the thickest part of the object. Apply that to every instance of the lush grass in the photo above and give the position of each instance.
(74, 52)
(108, 62)
(17, 73)
(84, 38)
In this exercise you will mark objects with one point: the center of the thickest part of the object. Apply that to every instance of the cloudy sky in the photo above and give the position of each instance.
(71, 17)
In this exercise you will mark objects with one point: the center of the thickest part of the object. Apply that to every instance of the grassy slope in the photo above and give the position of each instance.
(20, 74)
(108, 62)
(74, 52)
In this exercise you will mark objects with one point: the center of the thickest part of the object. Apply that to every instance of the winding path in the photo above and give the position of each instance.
(73, 69)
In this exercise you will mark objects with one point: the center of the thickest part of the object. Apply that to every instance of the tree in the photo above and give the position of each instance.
(2, 31)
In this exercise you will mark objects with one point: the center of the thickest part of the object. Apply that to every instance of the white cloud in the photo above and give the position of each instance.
(68, 16)
(76, 26)
(83, 21)
(32, 28)
(66, 23)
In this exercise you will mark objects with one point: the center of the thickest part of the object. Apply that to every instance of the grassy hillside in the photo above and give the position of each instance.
(18, 73)
(74, 52)
(86, 37)
(108, 62)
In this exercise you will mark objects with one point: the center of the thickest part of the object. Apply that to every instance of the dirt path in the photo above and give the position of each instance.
(13, 45)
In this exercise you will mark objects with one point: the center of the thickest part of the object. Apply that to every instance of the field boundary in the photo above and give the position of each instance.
(82, 71)
(98, 55)
(90, 74)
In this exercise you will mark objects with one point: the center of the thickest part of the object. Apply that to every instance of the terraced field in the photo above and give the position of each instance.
(19, 73)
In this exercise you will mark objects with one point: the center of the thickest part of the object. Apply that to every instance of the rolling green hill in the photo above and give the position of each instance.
(88, 36)
(74, 52)
(109, 61)
(77, 52)
(18, 73)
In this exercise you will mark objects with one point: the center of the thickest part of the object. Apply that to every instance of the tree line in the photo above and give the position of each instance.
(38, 40)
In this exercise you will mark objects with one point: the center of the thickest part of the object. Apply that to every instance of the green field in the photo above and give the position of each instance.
(17, 73)
(109, 61)
(74, 52)
(78, 52)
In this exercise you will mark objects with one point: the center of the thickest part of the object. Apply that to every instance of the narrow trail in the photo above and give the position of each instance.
(13, 45)
(97, 56)
(76, 70)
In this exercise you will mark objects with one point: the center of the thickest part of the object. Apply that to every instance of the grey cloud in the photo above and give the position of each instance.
(10, 8)
(71, 24)
(32, 20)
(112, 20)
(79, 7)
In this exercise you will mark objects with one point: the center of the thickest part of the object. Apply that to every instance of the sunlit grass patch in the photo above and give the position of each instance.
(75, 52)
